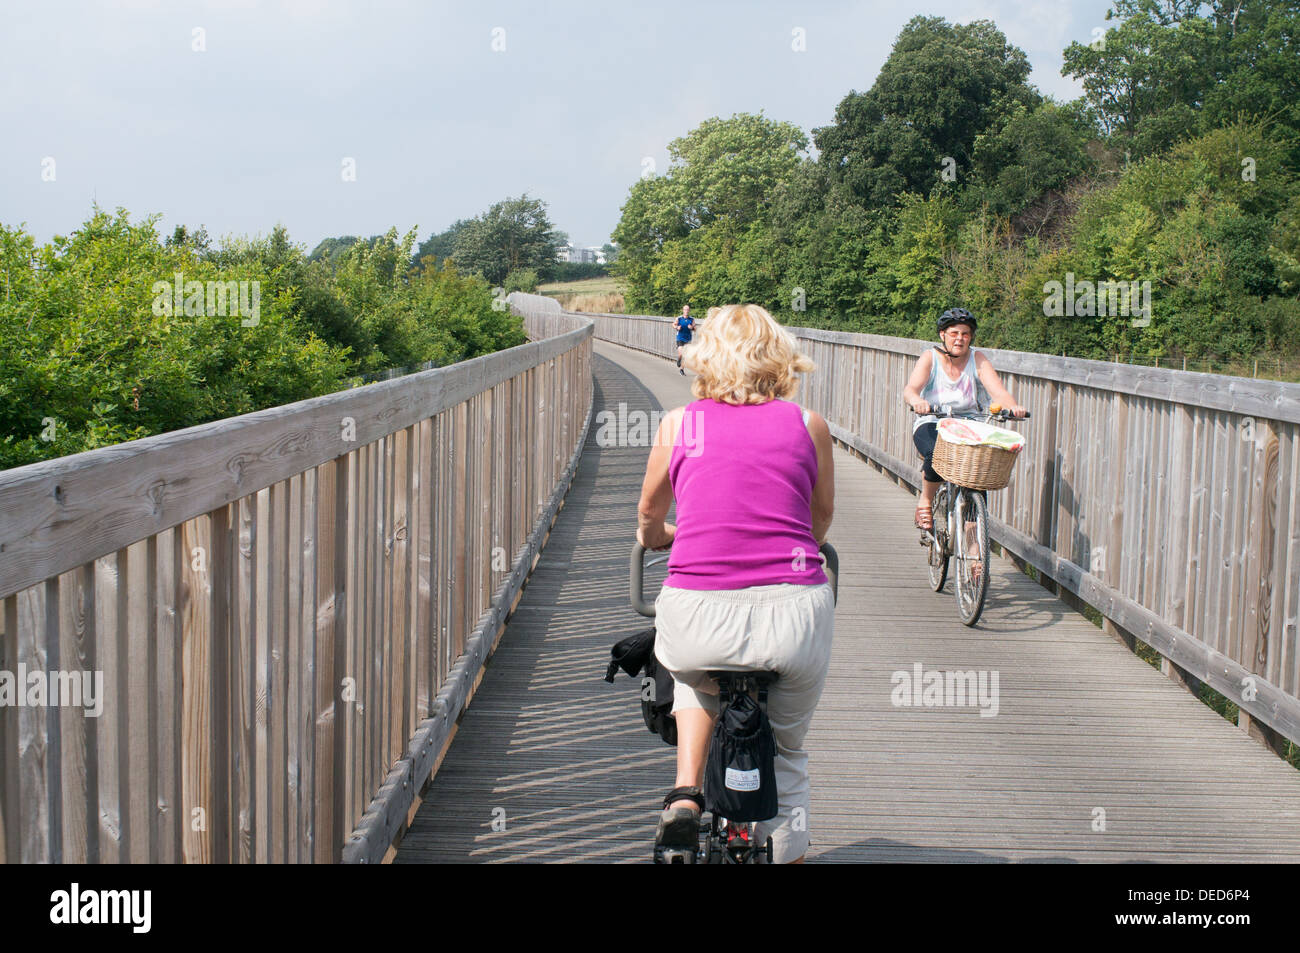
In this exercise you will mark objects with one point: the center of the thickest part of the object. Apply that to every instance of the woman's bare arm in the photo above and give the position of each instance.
(823, 494)
(656, 489)
(920, 375)
(993, 384)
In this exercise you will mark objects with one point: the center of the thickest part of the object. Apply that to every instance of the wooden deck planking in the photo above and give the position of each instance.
(563, 759)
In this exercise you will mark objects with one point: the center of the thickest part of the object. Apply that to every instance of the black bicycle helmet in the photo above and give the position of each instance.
(956, 316)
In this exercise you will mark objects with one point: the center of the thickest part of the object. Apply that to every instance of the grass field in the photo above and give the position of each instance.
(589, 286)
(603, 295)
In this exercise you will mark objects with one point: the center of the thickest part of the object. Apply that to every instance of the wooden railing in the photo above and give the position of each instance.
(288, 609)
(1165, 499)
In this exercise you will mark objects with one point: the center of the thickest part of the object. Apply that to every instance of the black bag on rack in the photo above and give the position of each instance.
(740, 777)
(636, 656)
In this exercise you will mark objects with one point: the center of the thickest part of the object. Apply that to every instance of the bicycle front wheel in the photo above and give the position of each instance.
(971, 548)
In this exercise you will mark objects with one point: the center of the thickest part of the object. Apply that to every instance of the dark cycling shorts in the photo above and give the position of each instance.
(924, 437)
(683, 340)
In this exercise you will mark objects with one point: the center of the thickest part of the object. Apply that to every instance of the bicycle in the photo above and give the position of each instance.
(722, 841)
(956, 505)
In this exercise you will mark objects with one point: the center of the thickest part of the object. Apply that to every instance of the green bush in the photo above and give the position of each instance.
(521, 279)
(98, 350)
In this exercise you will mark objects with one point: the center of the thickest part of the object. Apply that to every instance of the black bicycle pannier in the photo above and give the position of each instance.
(636, 656)
(740, 778)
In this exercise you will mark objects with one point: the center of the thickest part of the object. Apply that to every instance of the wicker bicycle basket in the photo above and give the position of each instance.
(979, 468)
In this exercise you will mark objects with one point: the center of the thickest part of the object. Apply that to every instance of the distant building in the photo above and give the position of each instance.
(588, 255)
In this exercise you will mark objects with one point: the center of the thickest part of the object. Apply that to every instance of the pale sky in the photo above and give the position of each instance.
(444, 107)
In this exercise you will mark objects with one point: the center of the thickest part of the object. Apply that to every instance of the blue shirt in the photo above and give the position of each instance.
(684, 326)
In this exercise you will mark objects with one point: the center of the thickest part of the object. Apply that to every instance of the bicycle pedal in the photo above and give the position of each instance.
(675, 855)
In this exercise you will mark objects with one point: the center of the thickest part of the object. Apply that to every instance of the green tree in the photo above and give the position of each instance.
(727, 168)
(195, 239)
(1027, 154)
(1167, 71)
(511, 235)
(941, 87)
(331, 250)
(724, 175)
(438, 247)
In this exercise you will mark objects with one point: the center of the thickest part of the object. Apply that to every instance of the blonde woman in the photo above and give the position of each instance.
(754, 481)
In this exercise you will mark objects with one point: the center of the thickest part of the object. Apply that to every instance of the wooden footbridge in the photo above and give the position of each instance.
(373, 625)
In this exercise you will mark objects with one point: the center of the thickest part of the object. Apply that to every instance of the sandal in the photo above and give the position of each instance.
(680, 826)
(924, 516)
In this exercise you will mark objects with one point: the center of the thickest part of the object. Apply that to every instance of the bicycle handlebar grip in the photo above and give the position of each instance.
(997, 410)
(637, 581)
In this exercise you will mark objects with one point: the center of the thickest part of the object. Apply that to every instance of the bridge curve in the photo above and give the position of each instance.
(291, 611)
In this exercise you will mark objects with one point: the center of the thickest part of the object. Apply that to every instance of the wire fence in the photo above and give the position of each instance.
(1273, 367)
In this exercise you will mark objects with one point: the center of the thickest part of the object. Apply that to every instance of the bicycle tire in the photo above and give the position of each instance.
(971, 592)
(937, 553)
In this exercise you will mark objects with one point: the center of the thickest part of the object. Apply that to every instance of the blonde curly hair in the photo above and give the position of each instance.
(742, 356)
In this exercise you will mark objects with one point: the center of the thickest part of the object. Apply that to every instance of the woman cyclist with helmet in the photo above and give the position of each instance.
(952, 375)
(753, 477)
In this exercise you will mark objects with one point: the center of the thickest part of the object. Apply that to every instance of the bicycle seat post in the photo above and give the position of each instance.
(731, 684)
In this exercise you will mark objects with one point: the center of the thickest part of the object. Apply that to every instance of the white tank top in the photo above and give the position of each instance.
(962, 394)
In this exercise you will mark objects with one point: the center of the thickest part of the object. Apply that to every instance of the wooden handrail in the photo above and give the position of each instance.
(285, 608)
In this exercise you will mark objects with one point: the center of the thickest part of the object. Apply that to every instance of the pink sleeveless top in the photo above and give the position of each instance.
(743, 478)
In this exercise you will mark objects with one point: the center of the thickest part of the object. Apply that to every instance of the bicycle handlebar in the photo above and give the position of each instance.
(636, 578)
(637, 582)
(999, 414)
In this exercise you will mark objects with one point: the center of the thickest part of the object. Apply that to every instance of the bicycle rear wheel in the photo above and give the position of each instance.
(971, 548)
(937, 555)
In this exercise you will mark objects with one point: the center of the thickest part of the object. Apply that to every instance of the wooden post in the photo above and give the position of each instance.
(1256, 729)
(1119, 490)
(197, 801)
(1260, 577)
(1179, 676)
(1048, 481)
